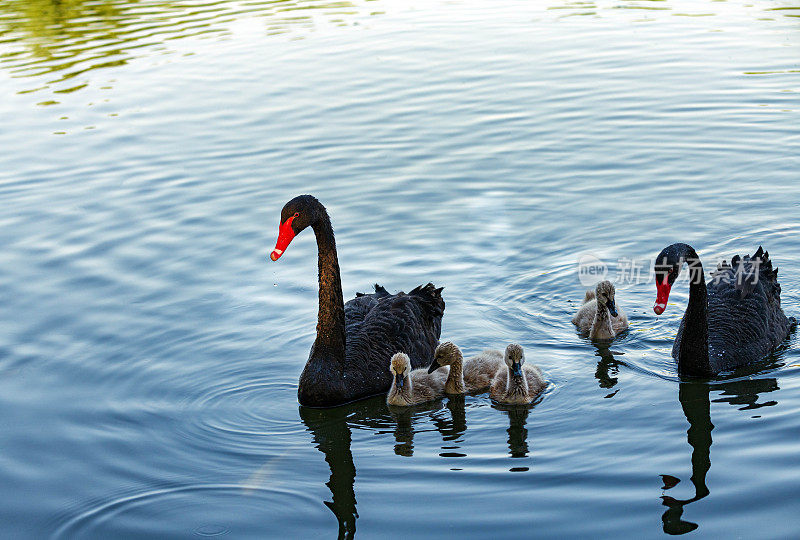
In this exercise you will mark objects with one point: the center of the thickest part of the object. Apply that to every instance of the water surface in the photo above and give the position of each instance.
(149, 353)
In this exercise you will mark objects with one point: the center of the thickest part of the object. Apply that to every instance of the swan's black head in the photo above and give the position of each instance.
(667, 267)
(297, 214)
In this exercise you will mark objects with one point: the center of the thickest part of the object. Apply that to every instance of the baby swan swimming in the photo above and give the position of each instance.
(517, 383)
(471, 375)
(413, 387)
(599, 315)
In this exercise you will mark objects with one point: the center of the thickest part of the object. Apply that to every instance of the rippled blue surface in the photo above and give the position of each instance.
(149, 353)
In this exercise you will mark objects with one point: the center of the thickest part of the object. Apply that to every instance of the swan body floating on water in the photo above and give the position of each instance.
(518, 383)
(355, 340)
(466, 376)
(599, 316)
(413, 387)
(733, 320)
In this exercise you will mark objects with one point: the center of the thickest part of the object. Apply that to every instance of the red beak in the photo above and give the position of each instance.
(285, 236)
(662, 296)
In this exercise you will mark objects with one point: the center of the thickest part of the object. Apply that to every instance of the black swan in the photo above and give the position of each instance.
(734, 320)
(356, 340)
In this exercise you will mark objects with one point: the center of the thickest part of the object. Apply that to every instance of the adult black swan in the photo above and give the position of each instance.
(734, 320)
(355, 341)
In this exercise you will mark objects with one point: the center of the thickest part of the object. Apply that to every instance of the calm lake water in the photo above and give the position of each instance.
(149, 351)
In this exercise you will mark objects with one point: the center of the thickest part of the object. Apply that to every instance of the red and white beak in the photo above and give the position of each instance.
(285, 236)
(662, 296)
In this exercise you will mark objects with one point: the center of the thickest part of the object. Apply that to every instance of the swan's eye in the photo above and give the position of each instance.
(296, 214)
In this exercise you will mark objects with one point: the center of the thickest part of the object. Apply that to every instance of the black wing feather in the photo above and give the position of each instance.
(745, 318)
(380, 324)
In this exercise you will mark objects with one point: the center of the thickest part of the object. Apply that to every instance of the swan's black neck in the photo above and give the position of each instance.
(693, 351)
(330, 342)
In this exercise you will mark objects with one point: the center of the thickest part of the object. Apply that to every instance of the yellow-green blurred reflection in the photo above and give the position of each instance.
(58, 40)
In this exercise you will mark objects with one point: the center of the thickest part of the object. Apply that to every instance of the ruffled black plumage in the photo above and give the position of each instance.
(743, 317)
(387, 324)
(355, 341)
(377, 326)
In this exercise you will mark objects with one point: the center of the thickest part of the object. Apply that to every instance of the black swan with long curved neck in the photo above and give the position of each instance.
(734, 320)
(356, 340)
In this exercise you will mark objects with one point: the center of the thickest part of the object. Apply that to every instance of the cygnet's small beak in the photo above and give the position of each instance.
(612, 308)
(434, 366)
(516, 369)
(399, 380)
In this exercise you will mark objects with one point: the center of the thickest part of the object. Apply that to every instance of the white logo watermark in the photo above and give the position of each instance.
(591, 270)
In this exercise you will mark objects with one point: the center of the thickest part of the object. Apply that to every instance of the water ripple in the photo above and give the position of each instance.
(56, 43)
(202, 510)
(145, 339)
(242, 418)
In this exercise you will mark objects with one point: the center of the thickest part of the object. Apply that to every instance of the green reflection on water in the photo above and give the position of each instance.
(63, 39)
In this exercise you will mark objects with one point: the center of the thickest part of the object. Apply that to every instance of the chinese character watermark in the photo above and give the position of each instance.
(744, 273)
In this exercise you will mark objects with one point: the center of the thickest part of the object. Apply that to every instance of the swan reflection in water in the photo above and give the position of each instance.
(695, 400)
(607, 370)
(517, 432)
(405, 419)
(453, 427)
(331, 434)
(696, 403)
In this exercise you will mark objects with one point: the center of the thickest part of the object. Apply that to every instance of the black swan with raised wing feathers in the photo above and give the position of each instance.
(356, 340)
(734, 320)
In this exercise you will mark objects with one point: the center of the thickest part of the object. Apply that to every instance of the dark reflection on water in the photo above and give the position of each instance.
(695, 400)
(332, 435)
(406, 420)
(607, 368)
(453, 428)
(517, 433)
(149, 355)
(696, 404)
(331, 432)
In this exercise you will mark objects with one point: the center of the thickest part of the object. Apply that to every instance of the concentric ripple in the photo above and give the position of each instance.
(242, 419)
(213, 510)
